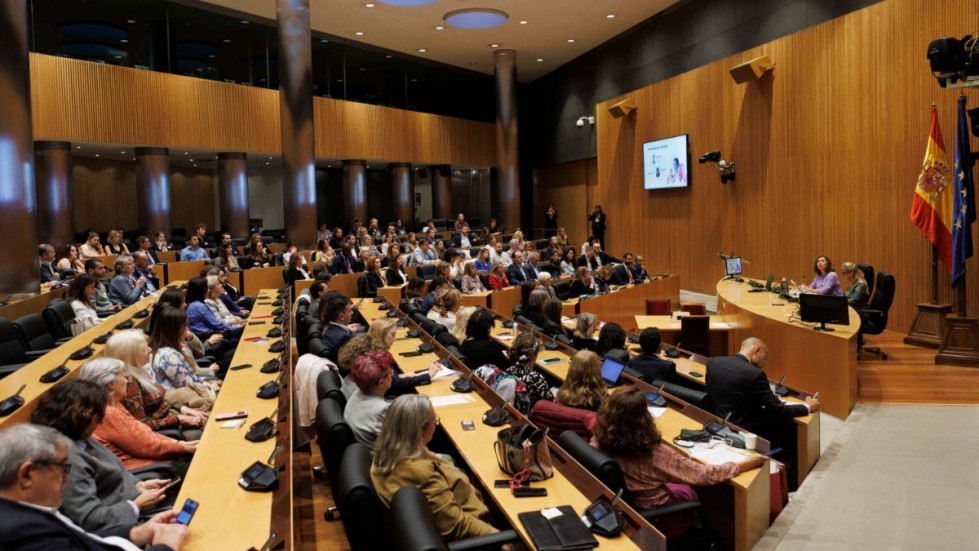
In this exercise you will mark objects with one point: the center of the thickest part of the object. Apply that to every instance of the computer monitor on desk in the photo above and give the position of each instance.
(732, 267)
(823, 309)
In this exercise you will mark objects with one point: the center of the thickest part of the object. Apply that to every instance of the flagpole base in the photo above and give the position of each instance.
(929, 327)
(961, 343)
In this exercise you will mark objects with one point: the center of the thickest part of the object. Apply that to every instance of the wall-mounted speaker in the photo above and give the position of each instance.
(751, 70)
(623, 108)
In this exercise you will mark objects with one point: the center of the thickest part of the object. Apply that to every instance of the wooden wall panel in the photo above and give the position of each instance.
(80, 101)
(192, 197)
(569, 187)
(105, 194)
(828, 148)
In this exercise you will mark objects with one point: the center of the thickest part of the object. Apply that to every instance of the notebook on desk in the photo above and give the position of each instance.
(557, 529)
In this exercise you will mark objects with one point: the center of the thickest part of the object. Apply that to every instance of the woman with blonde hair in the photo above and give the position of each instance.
(584, 330)
(114, 244)
(144, 398)
(446, 305)
(855, 285)
(583, 388)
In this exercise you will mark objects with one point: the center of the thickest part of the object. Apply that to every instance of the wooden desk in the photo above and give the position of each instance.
(740, 511)
(229, 517)
(391, 294)
(476, 446)
(624, 305)
(669, 327)
(186, 270)
(256, 279)
(31, 305)
(168, 256)
(815, 360)
(503, 301)
(30, 373)
(476, 299)
(346, 284)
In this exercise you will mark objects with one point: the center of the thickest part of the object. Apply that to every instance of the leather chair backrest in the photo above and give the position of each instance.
(11, 347)
(695, 333)
(562, 289)
(880, 302)
(457, 282)
(432, 327)
(484, 277)
(365, 518)
(362, 285)
(658, 307)
(58, 317)
(403, 305)
(333, 436)
(694, 308)
(418, 317)
(328, 386)
(563, 339)
(688, 395)
(426, 271)
(601, 466)
(526, 321)
(870, 276)
(33, 332)
(316, 347)
(412, 522)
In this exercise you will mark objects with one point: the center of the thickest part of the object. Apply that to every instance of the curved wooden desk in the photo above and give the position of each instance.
(814, 360)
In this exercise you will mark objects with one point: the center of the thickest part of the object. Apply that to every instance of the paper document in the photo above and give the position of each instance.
(655, 411)
(445, 373)
(451, 400)
(722, 324)
(505, 337)
(717, 455)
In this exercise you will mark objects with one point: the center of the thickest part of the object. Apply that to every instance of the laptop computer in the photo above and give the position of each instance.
(611, 371)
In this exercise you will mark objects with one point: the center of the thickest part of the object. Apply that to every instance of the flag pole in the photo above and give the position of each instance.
(934, 275)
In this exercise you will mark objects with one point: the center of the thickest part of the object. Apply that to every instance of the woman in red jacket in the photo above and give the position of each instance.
(497, 277)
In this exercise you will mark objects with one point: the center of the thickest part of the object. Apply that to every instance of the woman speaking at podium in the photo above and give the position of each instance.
(826, 281)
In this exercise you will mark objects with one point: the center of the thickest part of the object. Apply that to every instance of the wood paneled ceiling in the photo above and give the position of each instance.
(550, 24)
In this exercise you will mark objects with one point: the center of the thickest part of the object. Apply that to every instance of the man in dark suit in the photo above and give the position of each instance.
(589, 259)
(346, 261)
(624, 274)
(639, 270)
(34, 459)
(337, 329)
(648, 365)
(143, 244)
(517, 272)
(45, 255)
(738, 386)
(462, 239)
(141, 261)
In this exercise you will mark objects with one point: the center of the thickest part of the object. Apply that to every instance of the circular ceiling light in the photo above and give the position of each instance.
(406, 2)
(476, 18)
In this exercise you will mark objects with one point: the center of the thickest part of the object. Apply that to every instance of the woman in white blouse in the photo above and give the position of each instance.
(79, 296)
(213, 301)
(91, 247)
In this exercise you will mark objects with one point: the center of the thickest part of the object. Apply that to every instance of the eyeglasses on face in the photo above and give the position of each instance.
(64, 465)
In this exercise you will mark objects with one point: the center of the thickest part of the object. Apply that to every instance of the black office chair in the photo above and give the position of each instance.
(562, 289)
(58, 316)
(432, 327)
(413, 527)
(868, 274)
(526, 321)
(365, 518)
(426, 271)
(695, 334)
(403, 305)
(691, 396)
(333, 436)
(484, 279)
(873, 320)
(13, 354)
(33, 333)
(418, 317)
(328, 386)
(316, 347)
(607, 470)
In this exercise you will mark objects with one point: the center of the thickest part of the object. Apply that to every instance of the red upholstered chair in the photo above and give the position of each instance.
(658, 307)
(695, 334)
(694, 308)
(559, 418)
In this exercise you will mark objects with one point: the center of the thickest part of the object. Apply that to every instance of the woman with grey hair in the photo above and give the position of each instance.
(217, 306)
(402, 458)
(135, 444)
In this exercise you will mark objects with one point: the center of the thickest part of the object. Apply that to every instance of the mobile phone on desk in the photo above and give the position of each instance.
(239, 367)
(411, 354)
(529, 492)
(548, 361)
(231, 415)
(187, 512)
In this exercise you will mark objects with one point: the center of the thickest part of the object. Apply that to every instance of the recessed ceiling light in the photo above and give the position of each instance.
(97, 155)
(523, 22)
(212, 56)
(124, 41)
(245, 21)
(192, 160)
(130, 21)
(123, 152)
(387, 57)
(422, 50)
(266, 164)
(539, 59)
(414, 80)
(185, 152)
(570, 40)
(439, 28)
(324, 41)
(494, 45)
(195, 166)
(610, 16)
(359, 33)
(368, 5)
(227, 40)
(339, 80)
(476, 18)
(118, 57)
(78, 147)
(362, 69)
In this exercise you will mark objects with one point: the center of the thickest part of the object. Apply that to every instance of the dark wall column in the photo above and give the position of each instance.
(296, 109)
(402, 192)
(354, 191)
(19, 271)
(153, 189)
(442, 192)
(507, 209)
(52, 177)
(233, 192)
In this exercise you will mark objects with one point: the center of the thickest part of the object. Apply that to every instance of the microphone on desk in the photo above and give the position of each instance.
(263, 429)
(11, 404)
(673, 352)
(780, 389)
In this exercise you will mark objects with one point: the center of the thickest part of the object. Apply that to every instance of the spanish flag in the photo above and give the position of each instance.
(931, 208)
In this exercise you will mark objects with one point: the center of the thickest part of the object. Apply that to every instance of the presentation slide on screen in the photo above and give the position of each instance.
(665, 163)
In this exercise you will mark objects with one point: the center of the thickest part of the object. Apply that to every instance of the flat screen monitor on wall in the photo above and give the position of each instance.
(665, 163)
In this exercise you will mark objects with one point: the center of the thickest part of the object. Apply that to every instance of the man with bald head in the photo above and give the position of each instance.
(738, 386)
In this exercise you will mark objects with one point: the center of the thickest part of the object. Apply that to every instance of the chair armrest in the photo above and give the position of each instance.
(665, 510)
(206, 361)
(489, 541)
(59, 342)
(156, 470)
(35, 354)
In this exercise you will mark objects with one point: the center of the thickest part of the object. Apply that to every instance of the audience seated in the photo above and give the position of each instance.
(655, 473)
(100, 298)
(553, 312)
(193, 250)
(583, 283)
(498, 278)
(218, 307)
(135, 444)
(337, 326)
(45, 255)
(345, 261)
(213, 345)
(623, 273)
(226, 257)
(447, 304)
(611, 343)
(584, 331)
(483, 262)
(91, 248)
(201, 319)
(173, 366)
(471, 284)
(584, 387)
(123, 289)
(499, 256)
(372, 279)
(478, 348)
(381, 334)
(114, 244)
(366, 407)
(649, 365)
(523, 361)
(534, 309)
(518, 272)
(142, 270)
(68, 262)
(423, 254)
(99, 493)
(402, 458)
(435, 286)
(35, 462)
(160, 243)
(80, 296)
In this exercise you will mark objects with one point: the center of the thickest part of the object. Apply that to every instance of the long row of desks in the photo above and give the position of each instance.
(740, 510)
(571, 485)
(229, 517)
(29, 375)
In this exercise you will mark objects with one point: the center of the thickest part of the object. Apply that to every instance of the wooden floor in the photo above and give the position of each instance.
(909, 375)
(315, 532)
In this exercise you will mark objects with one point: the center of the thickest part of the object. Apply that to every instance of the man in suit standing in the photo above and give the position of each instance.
(33, 469)
(648, 365)
(737, 385)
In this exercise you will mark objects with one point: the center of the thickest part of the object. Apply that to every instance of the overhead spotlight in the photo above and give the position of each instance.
(711, 157)
(582, 120)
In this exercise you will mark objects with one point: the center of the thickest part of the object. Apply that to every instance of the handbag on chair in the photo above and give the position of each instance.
(524, 448)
